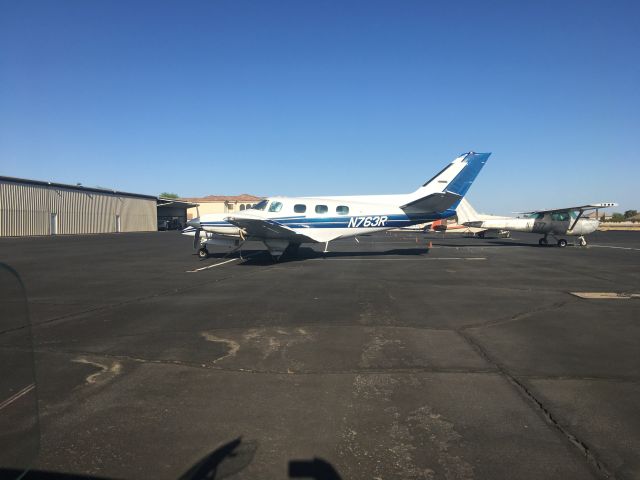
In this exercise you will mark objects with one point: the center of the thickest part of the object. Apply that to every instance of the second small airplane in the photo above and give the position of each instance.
(558, 223)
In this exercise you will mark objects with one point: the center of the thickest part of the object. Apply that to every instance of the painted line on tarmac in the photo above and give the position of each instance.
(605, 295)
(212, 266)
(396, 259)
(246, 257)
(16, 396)
(617, 248)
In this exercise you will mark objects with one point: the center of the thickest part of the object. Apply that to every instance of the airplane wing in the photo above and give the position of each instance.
(262, 228)
(436, 202)
(590, 206)
(580, 208)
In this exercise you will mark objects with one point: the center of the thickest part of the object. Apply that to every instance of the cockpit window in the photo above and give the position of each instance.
(261, 205)
(560, 216)
(275, 207)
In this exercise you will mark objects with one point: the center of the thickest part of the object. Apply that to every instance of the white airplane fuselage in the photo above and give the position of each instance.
(544, 225)
(377, 214)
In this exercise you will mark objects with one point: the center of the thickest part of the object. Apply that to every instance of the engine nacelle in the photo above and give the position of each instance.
(225, 242)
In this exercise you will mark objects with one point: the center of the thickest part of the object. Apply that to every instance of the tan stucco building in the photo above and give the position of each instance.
(221, 204)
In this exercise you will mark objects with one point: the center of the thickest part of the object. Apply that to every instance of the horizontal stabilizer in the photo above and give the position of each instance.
(468, 216)
(436, 202)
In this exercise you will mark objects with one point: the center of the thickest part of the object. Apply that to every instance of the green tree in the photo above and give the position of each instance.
(630, 213)
(617, 217)
(169, 195)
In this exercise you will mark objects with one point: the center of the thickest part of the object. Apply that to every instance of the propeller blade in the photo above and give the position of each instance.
(196, 238)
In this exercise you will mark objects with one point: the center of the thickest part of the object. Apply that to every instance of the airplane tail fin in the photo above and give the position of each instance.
(466, 213)
(448, 187)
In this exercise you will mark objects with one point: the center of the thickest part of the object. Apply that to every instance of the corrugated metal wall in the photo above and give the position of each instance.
(26, 209)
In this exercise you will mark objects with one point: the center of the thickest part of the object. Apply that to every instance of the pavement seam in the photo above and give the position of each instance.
(201, 366)
(587, 378)
(518, 316)
(597, 464)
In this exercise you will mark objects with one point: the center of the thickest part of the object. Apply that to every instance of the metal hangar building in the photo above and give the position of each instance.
(32, 207)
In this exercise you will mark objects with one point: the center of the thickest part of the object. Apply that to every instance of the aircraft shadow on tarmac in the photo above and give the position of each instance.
(224, 462)
(491, 243)
(263, 257)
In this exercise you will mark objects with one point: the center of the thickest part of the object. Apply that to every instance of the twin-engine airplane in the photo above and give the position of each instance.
(283, 223)
(558, 222)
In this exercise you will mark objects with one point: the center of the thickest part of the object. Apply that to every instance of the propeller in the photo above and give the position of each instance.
(196, 238)
(195, 223)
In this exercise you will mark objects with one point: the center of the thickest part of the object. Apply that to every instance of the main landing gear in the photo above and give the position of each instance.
(543, 242)
(203, 253)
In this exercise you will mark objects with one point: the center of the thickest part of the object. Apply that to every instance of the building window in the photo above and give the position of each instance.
(299, 208)
(242, 206)
(275, 207)
(322, 209)
(342, 210)
(230, 207)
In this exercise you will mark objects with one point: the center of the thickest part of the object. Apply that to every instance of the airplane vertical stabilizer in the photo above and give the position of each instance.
(448, 186)
(466, 213)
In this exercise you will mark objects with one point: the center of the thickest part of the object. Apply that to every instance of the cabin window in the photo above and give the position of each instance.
(261, 205)
(322, 209)
(275, 207)
(299, 208)
(560, 217)
(342, 210)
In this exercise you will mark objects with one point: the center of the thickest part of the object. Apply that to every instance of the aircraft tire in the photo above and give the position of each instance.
(481, 235)
(542, 242)
(562, 243)
(203, 253)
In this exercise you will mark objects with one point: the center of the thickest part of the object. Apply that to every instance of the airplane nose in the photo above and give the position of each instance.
(194, 222)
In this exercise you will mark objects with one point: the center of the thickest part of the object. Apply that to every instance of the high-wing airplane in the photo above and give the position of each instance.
(557, 222)
(283, 223)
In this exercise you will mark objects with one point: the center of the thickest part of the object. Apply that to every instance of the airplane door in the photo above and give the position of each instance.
(54, 224)
(540, 224)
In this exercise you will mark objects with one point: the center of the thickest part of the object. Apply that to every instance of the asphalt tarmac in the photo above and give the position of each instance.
(383, 359)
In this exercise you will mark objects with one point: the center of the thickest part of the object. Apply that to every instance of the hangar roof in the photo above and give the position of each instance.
(76, 187)
(175, 202)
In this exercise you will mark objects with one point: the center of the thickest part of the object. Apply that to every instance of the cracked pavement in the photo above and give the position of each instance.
(388, 360)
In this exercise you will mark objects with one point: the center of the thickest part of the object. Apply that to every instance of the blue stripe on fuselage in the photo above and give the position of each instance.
(301, 222)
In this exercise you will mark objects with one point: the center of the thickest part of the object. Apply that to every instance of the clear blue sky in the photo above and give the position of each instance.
(324, 97)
